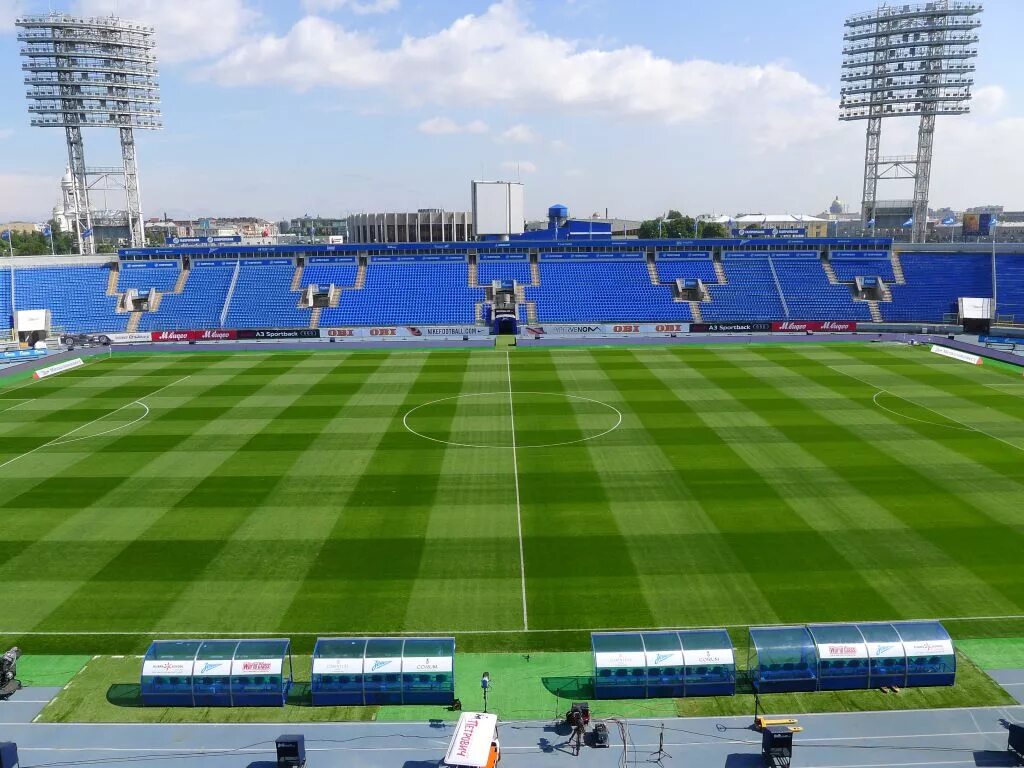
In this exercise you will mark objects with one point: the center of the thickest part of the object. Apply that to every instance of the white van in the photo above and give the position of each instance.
(475, 742)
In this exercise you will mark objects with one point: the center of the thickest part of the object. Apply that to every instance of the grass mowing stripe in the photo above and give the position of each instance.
(253, 579)
(515, 475)
(824, 505)
(469, 564)
(137, 577)
(934, 573)
(363, 576)
(655, 501)
(578, 564)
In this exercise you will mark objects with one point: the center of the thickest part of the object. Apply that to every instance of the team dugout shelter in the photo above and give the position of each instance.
(217, 673)
(834, 657)
(663, 664)
(356, 671)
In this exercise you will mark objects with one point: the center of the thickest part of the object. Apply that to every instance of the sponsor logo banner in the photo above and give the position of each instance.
(708, 657)
(427, 664)
(167, 668)
(604, 329)
(842, 651)
(217, 335)
(130, 338)
(825, 326)
(664, 658)
(1001, 339)
(256, 667)
(382, 666)
(338, 666)
(731, 327)
(928, 647)
(278, 333)
(956, 354)
(221, 667)
(393, 332)
(53, 370)
(606, 659)
(889, 650)
(20, 354)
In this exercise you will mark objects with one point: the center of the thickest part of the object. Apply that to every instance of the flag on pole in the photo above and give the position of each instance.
(871, 222)
(949, 221)
(6, 235)
(47, 231)
(909, 222)
(87, 232)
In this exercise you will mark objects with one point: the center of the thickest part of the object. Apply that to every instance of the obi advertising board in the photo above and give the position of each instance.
(568, 330)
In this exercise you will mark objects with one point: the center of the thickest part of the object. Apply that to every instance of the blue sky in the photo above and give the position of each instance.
(282, 107)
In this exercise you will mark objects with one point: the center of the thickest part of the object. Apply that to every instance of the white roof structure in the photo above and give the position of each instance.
(777, 218)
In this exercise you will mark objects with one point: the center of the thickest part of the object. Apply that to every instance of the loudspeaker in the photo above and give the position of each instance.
(291, 749)
(8, 755)
(776, 742)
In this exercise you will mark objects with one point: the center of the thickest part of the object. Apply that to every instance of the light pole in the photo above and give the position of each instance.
(485, 684)
(993, 223)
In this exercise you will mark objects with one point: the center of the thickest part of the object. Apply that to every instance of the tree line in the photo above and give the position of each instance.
(676, 226)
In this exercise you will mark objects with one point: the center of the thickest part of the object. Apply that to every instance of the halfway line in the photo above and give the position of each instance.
(515, 474)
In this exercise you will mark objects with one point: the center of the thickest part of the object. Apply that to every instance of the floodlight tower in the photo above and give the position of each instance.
(93, 73)
(902, 61)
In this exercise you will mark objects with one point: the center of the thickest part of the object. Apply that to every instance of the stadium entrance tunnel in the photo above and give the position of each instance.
(512, 420)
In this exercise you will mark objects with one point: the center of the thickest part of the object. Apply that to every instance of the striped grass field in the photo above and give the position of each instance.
(518, 498)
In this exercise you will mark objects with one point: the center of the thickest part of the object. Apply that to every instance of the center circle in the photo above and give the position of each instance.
(490, 422)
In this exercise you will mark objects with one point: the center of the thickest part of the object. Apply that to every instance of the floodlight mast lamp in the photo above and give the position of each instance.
(902, 61)
(93, 73)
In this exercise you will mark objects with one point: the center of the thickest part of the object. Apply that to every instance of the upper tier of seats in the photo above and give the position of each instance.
(265, 291)
(489, 271)
(761, 285)
(849, 265)
(934, 283)
(75, 295)
(143, 276)
(603, 291)
(1010, 288)
(408, 293)
(810, 296)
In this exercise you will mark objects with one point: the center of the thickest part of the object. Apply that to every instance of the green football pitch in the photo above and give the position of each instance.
(518, 498)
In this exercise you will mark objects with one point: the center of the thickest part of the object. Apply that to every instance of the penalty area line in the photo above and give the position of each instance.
(63, 439)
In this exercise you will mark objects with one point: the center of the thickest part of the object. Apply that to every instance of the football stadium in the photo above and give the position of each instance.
(722, 501)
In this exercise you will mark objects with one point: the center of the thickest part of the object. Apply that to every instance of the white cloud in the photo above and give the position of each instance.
(186, 30)
(519, 134)
(442, 126)
(519, 166)
(6, 133)
(498, 58)
(360, 7)
(988, 100)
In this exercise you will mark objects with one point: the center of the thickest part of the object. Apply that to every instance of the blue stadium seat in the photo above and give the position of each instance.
(324, 275)
(1010, 286)
(810, 296)
(489, 271)
(142, 277)
(750, 293)
(603, 291)
(75, 295)
(849, 265)
(263, 299)
(934, 283)
(199, 305)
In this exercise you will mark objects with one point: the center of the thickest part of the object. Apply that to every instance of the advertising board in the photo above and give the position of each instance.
(731, 327)
(555, 330)
(167, 668)
(708, 657)
(53, 370)
(956, 354)
(822, 326)
(612, 659)
(277, 333)
(427, 664)
(256, 667)
(324, 666)
(179, 336)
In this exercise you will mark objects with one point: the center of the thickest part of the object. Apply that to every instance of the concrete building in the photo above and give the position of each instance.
(427, 225)
(816, 227)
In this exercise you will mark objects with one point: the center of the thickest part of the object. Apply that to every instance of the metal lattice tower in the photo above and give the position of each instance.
(902, 61)
(93, 73)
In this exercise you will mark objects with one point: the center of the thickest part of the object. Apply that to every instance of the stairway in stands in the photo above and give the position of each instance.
(897, 268)
(723, 279)
(827, 266)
